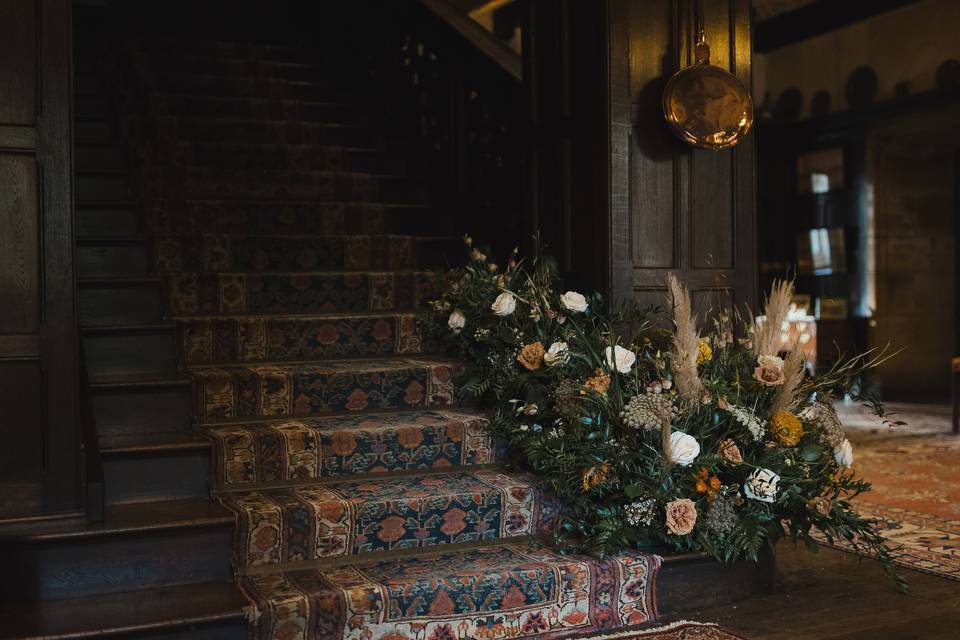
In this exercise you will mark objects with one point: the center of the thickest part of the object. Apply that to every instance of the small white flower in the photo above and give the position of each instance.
(619, 358)
(573, 301)
(524, 427)
(762, 485)
(504, 305)
(666, 384)
(557, 354)
(683, 448)
(843, 454)
(457, 321)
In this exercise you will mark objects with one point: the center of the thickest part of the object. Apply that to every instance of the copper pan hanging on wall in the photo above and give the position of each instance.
(708, 107)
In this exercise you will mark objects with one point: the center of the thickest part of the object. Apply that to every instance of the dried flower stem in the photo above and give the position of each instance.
(767, 339)
(686, 342)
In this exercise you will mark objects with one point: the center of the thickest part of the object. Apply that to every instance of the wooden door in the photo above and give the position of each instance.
(38, 363)
(674, 208)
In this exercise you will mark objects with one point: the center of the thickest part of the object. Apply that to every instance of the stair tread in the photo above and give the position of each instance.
(137, 379)
(345, 365)
(132, 517)
(539, 589)
(131, 443)
(125, 613)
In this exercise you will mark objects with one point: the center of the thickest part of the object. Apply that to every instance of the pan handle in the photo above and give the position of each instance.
(701, 50)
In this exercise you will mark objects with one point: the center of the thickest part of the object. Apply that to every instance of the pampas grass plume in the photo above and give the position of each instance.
(766, 341)
(686, 342)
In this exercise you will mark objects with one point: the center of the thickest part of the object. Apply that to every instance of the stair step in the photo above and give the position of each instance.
(236, 294)
(225, 215)
(114, 219)
(116, 256)
(301, 390)
(102, 187)
(99, 158)
(113, 301)
(137, 546)
(291, 253)
(143, 353)
(229, 66)
(193, 129)
(375, 515)
(217, 49)
(165, 466)
(315, 186)
(138, 404)
(207, 610)
(217, 86)
(206, 341)
(255, 107)
(290, 157)
(96, 130)
(519, 590)
(305, 450)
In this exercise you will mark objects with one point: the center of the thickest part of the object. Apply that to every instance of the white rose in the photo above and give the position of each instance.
(574, 301)
(843, 454)
(457, 321)
(619, 358)
(683, 448)
(557, 354)
(775, 362)
(505, 304)
(762, 485)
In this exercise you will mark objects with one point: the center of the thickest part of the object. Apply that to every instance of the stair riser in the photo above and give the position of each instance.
(272, 133)
(227, 630)
(269, 392)
(142, 411)
(243, 87)
(114, 564)
(290, 294)
(208, 65)
(156, 476)
(93, 158)
(186, 106)
(113, 222)
(185, 48)
(285, 254)
(253, 340)
(225, 216)
(102, 188)
(94, 132)
(365, 517)
(120, 304)
(336, 187)
(123, 261)
(290, 158)
(136, 353)
(299, 451)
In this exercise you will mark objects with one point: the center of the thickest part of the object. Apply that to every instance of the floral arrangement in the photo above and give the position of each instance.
(710, 442)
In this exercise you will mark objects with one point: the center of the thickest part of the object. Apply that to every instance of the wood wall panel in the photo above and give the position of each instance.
(19, 245)
(18, 62)
(23, 427)
(689, 212)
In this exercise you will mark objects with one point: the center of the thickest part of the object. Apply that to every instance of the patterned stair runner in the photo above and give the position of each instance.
(367, 504)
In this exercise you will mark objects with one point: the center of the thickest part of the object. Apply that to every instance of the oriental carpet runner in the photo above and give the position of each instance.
(368, 504)
(681, 630)
(915, 472)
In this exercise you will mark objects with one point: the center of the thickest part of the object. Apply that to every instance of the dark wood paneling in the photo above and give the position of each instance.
(688, 212)
(19, 245)
(18, 62)
(23, 425)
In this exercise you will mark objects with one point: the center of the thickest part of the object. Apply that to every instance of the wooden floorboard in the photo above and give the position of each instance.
(834, 595)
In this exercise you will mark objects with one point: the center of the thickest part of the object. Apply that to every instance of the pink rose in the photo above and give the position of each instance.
(770, 371)
(681, 516)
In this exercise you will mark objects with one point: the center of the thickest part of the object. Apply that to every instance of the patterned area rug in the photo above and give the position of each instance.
(681, 630)
(915, 472)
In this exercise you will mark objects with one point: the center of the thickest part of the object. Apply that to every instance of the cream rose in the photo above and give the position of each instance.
(619, 358)
(683, 448)
(573, 301)
(770, 371)
(504, 305)
(557, 354)
(681, 516)
(457, 321)
(843, 454)
(762, 485)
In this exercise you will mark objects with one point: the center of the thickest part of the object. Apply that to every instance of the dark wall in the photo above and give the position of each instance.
(38, 365)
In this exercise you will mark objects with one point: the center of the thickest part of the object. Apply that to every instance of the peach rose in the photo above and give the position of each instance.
(769, 371)
(729, 452)
(531, 356)
(681, 516)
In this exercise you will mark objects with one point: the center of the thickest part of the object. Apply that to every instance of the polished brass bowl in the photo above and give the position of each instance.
(708, 107)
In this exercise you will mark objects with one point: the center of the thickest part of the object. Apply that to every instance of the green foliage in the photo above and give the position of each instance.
(561, 414)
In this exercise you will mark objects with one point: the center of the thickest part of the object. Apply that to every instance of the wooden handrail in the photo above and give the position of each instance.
(481, 39)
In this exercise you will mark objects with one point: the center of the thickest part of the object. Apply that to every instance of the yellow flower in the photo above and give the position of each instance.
(593, 476)
(531, 356)
(786, 427)
(704, 352)
(599, 382)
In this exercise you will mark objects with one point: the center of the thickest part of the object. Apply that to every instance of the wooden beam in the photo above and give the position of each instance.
(815, 19)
